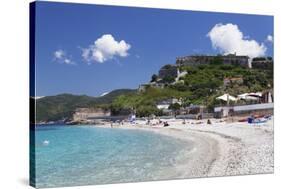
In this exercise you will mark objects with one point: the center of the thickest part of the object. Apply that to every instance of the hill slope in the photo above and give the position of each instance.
(52, 108)
(199, 86)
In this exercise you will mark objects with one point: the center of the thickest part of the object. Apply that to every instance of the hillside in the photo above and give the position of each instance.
(62, 106)
(200, 86)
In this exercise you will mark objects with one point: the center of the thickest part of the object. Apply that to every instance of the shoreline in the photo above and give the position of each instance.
(220, 149)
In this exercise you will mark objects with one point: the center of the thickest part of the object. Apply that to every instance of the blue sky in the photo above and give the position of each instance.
(150, 39)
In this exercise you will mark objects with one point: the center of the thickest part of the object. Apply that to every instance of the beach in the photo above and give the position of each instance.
(221, 148)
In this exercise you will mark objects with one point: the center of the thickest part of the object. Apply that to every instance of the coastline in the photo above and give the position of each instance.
(220, 149)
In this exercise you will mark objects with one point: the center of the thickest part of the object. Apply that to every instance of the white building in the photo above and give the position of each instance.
(164, 104)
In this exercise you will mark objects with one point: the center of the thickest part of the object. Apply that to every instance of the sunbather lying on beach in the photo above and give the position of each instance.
(166, 124)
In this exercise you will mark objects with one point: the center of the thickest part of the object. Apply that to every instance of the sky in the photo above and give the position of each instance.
(93, 49)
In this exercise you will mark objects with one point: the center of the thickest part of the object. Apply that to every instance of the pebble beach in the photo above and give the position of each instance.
(221, 148)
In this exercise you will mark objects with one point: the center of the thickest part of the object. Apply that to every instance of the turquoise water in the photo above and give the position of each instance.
(71, 156)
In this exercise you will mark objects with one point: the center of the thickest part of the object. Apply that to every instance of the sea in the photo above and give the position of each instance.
(88, 155)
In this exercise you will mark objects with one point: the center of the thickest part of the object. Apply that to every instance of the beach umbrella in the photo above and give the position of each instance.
(257, 94)
(249, 96)
(227, 97)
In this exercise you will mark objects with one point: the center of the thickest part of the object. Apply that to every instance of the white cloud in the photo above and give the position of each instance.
(61, 56)
(269, 38)
(229, 39)
(105, 48)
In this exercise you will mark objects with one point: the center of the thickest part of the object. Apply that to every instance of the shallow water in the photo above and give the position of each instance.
(71, 156)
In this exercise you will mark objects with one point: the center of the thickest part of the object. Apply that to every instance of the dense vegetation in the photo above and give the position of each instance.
(145, 103)
(52, 108)
(201, 85)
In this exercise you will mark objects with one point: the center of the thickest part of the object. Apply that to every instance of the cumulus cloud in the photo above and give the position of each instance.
(228, 38)
(61, 56)
(105, 48)
(269, 38)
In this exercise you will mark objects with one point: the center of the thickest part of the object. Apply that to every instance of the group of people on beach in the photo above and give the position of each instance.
(155, 122)
(166, 124)
(159, 122)
(118, 122)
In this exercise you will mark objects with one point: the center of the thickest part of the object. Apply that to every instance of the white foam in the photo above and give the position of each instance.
(46, 142)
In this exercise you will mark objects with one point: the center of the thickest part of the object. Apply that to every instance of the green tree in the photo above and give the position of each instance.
(175, 107)
(145, 111)
(168, 79)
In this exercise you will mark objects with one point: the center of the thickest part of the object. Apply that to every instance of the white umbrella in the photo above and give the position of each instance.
(227, 97)
(248, 96)
(257, 94)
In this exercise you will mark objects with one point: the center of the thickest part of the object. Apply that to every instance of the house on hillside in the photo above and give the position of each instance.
(157, 85)
(232, 80)
(164, 104)
(262, 63)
